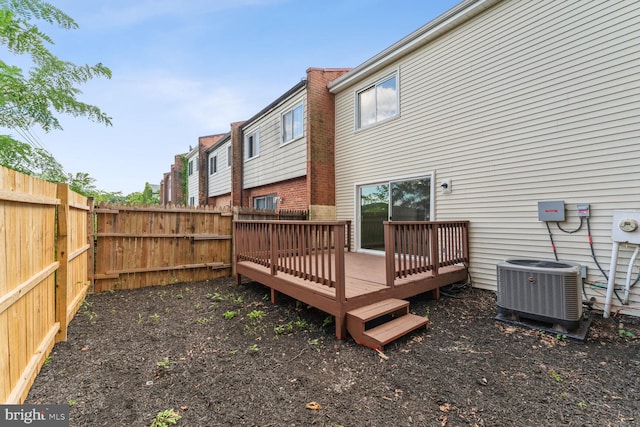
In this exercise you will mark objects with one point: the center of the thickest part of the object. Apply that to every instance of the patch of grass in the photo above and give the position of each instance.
(155, 316)
(47, 360)
(254, 348)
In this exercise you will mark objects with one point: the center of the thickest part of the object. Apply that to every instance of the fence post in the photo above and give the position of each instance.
(91, 240)
(62, 247)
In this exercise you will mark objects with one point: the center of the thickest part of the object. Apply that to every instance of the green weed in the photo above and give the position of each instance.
(625, 334)
(555, 376)
(166, 418)
(165, 364)
(229, 314)
(256, 315)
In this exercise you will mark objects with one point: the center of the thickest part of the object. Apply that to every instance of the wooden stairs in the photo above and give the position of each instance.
(380, 323)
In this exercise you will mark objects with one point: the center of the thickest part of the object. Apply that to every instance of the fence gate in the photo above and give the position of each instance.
(148, 246)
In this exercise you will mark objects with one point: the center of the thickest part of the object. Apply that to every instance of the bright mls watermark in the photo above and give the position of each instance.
(34, 415)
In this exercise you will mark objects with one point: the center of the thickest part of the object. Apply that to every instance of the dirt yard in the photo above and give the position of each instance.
(222, 355)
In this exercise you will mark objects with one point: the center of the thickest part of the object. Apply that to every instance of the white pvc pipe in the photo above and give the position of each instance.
(627, 284)
(612, 279)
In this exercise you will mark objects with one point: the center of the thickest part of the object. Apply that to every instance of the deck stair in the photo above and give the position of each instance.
(378, 324)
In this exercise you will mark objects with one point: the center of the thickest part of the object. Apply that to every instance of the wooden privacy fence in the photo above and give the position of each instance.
(43, 280)
(147, 246)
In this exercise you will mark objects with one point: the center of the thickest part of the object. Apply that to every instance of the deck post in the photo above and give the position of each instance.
(389, 253)
(273, 243)
(434, 256)
(339, 242)
(339, 231)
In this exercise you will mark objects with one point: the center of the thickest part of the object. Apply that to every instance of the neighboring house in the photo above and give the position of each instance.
(172, 184)
(482, 113)
(193, 176)
(219, 173)
(283, 156)
(204, 143)
(197, 177)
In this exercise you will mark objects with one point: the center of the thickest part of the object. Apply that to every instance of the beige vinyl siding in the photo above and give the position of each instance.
(192, 180)
(276, 162)
(220, 182)
(529, 101)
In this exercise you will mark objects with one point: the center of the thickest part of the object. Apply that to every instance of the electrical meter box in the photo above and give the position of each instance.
(626, 227)
(551, 211)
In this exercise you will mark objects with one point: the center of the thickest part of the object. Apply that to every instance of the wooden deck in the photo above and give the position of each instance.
(311, 261)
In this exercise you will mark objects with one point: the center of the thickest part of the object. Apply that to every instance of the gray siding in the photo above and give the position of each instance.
(220, 182)
(192, 180)
(276, 162)
(529, 101)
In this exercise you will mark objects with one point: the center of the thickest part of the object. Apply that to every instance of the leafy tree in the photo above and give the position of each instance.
(33, 97)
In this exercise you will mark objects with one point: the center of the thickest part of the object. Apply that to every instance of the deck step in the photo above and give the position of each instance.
(378, 324)
(378, 309)
(394, 329)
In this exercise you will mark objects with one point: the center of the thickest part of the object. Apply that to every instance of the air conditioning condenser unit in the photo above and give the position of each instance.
(541, 290)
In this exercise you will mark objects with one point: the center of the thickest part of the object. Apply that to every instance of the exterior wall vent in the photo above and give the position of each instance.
(541, 290)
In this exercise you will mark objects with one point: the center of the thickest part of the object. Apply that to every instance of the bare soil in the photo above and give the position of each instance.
(219, 354)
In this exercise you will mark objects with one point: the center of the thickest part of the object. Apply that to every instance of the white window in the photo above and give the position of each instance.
(292, 124)
(267, 202)
(192, 201)
(377, 102)
(213, 165)
(229, 155)
(251, 145)
(190, 167)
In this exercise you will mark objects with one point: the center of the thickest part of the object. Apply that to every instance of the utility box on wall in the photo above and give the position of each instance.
(626, 227)
(551, 211)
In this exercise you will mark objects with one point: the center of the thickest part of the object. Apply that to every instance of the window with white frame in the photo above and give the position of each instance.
(377, 102)
(229, 155)
(251, 145)
(292, 124)
(190, 167)
(267, 202)
(213, 165)
(192, 201)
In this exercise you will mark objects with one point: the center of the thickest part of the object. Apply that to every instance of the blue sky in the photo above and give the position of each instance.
(184, 69)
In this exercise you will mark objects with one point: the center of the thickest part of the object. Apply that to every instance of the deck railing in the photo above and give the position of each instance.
(417, 247)
(314, 250)
(310, 250)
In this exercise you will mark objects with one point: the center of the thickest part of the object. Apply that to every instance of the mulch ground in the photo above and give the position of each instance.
(218, 354)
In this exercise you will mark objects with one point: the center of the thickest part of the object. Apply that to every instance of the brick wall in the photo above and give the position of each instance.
(293, 193)
(237, 168)
(177, 181)
(221, 202)
(321, 136)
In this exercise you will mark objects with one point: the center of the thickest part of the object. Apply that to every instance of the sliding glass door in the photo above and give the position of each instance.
(401, 200)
